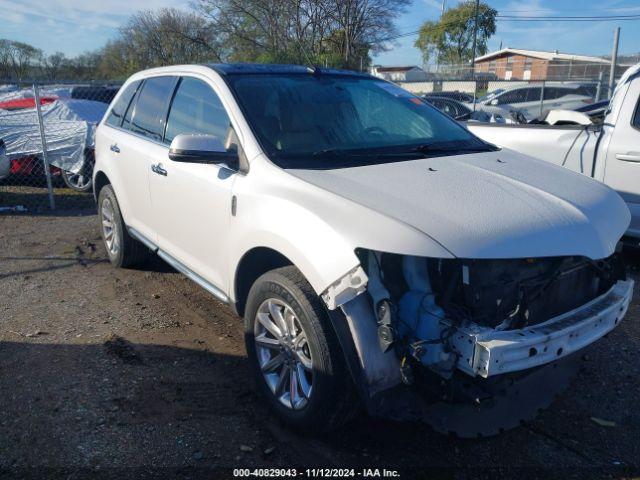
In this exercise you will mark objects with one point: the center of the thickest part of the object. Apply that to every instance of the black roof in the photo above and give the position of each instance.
(267, 68)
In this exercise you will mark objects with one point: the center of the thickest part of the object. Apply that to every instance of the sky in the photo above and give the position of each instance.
(76, 26)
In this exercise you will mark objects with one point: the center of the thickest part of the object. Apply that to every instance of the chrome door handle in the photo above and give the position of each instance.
(114, 148)
(159, 169)
(628, 157)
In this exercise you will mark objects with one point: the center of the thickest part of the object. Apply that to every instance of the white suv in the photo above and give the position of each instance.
(380, 254)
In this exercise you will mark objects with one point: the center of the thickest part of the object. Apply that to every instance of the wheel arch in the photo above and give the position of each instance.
(254, 263)
(100, 179)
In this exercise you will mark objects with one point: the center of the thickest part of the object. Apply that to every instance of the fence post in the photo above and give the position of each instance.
(43, 141)
(475, 93)
(599, 89)
(542, 97)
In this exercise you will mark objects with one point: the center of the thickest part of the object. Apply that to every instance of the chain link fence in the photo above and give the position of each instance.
(47, 130)
(519, 101)
(47, 138)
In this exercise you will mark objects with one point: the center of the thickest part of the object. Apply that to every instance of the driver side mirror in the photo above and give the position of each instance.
(200, 148)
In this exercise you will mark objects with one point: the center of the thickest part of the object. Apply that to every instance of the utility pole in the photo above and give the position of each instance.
(438, 52)
(614, 60)
(475, 41)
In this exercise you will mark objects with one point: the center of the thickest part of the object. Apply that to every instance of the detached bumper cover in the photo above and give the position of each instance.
(487, 352)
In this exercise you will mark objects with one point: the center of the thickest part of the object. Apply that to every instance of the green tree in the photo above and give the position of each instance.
(450, 40)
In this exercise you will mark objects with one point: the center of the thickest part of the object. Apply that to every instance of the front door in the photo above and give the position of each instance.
(191, 201)
(622, 169)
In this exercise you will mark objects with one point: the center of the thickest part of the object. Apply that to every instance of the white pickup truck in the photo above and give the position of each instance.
(609, 152)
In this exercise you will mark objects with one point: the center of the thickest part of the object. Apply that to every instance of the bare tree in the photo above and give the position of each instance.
(18, 59)
(53, 64)
(339, 32)
(161, 37)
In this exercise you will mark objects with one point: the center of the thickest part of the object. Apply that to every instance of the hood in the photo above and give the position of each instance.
(489, 205)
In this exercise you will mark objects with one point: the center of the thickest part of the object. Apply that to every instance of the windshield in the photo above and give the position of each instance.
(491, 94)
(326, 121)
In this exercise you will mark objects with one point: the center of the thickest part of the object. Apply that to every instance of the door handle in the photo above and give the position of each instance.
(159, 169)
(628, 157)
(114, 148)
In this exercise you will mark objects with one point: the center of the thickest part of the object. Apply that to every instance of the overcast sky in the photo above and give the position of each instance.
(75, 26)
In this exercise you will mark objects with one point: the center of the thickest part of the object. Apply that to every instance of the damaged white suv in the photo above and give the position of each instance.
(380, 254)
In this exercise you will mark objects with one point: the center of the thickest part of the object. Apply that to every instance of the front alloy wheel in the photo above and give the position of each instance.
(294, 353)
(283, 353)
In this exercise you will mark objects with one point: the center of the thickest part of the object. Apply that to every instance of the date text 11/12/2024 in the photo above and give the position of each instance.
(316, 472)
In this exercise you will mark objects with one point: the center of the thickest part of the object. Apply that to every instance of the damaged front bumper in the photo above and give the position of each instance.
(486, 352)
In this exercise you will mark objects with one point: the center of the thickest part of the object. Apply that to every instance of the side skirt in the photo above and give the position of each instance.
(208, 286)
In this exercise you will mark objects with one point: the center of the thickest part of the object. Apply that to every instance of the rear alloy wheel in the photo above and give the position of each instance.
(82, 180)
(295, 355)
(122, 249)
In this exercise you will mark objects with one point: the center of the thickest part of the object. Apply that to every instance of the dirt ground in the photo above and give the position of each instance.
(142, 373)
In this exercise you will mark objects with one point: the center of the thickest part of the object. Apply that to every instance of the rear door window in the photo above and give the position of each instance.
(551, 93)
(533, 94)
(151, 107)
(514, 96)
(197, 109)
(117, 112)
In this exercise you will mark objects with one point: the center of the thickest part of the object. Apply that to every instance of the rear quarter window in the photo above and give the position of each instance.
(120, 107)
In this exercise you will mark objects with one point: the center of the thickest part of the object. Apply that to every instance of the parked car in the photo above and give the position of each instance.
(609, 152)
(69, 130)
(5, 165)
(380, 253)
(527, 99)
(104, 94)
(463, 112)
(453, 108)
(455, 95)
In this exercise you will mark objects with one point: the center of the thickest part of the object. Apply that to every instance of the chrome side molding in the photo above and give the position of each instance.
(208, 286)
(141, 238)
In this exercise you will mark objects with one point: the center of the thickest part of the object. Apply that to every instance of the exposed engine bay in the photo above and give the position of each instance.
(421, 302)
(461, 330)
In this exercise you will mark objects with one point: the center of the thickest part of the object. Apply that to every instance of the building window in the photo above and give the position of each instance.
(492, 66)
(509, 64)
(527, 63)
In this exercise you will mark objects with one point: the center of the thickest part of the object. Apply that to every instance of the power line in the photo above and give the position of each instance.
(520, 18)
(575, 18)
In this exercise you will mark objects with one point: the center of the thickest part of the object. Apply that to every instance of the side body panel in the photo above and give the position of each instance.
(124, 159)
(622, 168)
(570, 147)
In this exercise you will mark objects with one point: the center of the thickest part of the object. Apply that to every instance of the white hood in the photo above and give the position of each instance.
(490, 205)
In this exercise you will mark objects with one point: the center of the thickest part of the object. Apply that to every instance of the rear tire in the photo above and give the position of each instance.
(81, 181)
(122, 249)
(324, 394)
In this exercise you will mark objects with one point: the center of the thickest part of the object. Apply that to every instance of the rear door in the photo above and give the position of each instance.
(192, 201)
(116, 144)
(141, 146)
(622, 169)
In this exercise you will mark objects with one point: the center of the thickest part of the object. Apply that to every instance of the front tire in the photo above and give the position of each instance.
(294, 353)
(122, 249)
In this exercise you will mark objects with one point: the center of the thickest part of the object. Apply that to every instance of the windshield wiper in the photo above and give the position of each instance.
(328, 152)
(435, 148)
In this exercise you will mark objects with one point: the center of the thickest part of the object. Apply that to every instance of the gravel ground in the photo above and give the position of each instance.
(142, 373)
